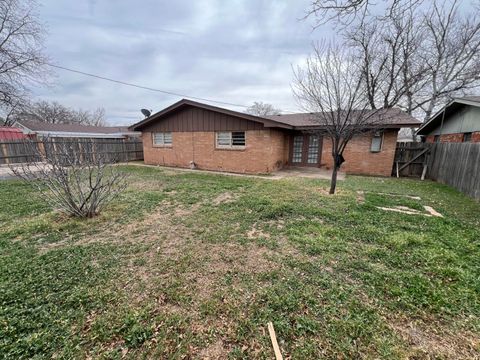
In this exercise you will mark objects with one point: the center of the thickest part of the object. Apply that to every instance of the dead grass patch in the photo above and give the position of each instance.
(225, 198)
(255, 233)
(216, 350)
(220, 259)
(436, 341)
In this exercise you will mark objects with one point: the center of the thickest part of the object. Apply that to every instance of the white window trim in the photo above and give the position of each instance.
(230, 147)
(382, 134)
(162, 144)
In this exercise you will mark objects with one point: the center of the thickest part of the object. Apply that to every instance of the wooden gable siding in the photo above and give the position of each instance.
(193, 119)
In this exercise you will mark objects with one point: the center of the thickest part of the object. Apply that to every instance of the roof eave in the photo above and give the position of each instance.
(385, 126)
(266, 122)
(422, 129)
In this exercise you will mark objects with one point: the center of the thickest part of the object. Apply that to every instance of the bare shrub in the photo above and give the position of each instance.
(78, 178)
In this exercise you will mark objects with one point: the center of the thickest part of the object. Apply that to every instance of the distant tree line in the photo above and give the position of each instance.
(23, 63)
(54, 113)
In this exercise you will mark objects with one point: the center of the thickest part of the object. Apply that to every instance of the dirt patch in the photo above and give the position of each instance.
(186, 211)
(216, 350)
(360, 197)
(435, 341)
(224, 198)
(255, 233)
(278, 224)
(221, 259)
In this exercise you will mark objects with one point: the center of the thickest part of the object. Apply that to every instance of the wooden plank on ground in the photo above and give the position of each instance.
(273, 337)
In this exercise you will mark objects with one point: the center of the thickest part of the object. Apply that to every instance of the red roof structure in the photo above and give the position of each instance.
(11, 133)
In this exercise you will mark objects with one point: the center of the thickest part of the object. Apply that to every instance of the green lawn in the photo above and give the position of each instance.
(191, 265)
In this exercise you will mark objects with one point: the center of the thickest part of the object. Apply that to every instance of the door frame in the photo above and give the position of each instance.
(305, 146)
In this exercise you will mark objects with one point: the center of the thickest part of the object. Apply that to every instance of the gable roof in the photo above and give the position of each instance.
(446, 111)
(185, 102)
(393, 118)
(74, 129)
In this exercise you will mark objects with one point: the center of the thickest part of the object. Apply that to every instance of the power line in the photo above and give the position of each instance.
(146, 87)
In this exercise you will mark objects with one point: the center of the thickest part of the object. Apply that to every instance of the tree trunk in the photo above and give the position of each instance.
(333, 181)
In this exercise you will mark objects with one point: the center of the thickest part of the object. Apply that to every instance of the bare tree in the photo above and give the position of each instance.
(21, 58)
(451, 54)
(345, 12)
(78, 180)
(262, 109)
(414, 57)
(56, 113)
(331, 87)
(12, 110)
(86, 117)
(49, 112)
(387, 52)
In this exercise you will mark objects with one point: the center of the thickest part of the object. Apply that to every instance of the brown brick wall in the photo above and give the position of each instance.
(455, 138)
(358, 157)
(264, 152)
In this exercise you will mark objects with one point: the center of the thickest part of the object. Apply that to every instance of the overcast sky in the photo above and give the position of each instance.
(236, 51)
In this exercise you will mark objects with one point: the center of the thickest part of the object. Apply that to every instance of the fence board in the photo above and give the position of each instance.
(116, 150)
(454, 164)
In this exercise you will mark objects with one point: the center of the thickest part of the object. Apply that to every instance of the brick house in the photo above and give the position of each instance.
(459, 121)
(214, 138)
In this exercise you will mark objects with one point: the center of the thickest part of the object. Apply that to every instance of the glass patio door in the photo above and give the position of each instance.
(305, 150)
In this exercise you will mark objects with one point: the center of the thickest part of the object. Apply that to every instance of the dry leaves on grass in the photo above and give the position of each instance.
(436, 341)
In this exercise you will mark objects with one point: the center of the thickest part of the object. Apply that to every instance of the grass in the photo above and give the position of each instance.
(190, 265)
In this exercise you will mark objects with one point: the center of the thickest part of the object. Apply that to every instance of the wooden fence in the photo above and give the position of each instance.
(113, 150)
(410, 158)
(457, 165)
(454, 164)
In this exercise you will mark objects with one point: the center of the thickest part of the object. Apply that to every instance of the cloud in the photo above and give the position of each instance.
(235, 51)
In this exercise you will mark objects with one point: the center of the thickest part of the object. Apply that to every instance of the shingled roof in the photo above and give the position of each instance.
(394, 118)
(388, 117)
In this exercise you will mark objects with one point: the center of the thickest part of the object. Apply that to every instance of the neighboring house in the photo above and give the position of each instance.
(42, 129)
(189, 133)
(11, 133)
(459, 121)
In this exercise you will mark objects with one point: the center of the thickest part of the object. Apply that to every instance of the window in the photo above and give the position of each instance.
(231, 139)
(436, 138)
(467, 137)
(162, 139)
(377, 140)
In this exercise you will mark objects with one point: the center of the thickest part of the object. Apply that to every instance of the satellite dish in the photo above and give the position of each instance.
(146, 112)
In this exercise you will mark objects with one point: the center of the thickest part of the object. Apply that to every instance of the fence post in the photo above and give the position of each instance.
(5, 152)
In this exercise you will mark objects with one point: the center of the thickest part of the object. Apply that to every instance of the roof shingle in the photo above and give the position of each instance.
(391, 117)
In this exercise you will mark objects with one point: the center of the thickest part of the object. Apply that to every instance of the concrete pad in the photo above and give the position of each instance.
(6, 173)
(303, 172)
(306, 172)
